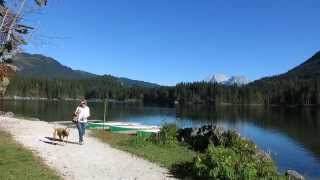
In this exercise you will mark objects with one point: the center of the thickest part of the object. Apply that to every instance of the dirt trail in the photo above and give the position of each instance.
(94, 160)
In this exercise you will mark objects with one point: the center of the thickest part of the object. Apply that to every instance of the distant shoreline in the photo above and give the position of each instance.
(135, 101)
(67, 99)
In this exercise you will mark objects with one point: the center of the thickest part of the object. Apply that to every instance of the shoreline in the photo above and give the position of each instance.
(27, 98)
(138, 101)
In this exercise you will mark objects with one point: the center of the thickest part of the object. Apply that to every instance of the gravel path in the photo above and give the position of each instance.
(94, 160)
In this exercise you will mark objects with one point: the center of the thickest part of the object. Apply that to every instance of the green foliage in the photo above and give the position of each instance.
(232, 163)
(167, 135)
(231, 138)
(216, 163)
(238, 144)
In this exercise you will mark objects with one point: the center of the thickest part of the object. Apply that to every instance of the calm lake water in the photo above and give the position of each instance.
(292, 135)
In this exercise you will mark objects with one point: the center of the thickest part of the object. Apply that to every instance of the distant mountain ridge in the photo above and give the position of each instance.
(40, 66)
(218, 78)
(224, 79)
(309, 69)
(36, 65)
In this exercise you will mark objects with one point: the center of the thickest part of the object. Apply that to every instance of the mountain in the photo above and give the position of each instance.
(238, 80)
(36, 65)
(40, 66)
(308, 69)
(224, 79)
(137, 83)
(218, 78)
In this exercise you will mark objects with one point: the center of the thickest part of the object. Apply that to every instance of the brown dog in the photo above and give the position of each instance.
(62, 133)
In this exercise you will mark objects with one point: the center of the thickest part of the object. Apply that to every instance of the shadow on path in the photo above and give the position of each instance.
(53, 141)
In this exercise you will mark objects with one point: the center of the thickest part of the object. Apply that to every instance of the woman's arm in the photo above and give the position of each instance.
(77, 111)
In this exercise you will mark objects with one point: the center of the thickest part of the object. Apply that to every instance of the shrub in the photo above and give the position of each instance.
(231, 137)
(234, 141)
(217, 163)
(167, 135)
(228, 163)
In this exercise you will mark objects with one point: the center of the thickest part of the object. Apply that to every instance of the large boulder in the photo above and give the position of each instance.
(200, 138)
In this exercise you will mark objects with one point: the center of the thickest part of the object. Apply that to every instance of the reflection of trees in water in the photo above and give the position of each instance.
(300, 124)
(123, 110)
(62, 110)
(44, 110)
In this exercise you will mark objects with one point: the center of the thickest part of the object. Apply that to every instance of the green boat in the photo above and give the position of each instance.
(131, 129)
(107, 125)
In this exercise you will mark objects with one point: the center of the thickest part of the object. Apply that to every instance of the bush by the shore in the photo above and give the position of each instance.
(222, 154)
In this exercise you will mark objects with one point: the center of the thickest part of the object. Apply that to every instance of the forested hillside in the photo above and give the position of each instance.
(300, 86)
(36, 65)
(43, 67)
(308, 69)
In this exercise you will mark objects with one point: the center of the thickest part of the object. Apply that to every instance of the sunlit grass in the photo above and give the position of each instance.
(18, 163)
(167, 156)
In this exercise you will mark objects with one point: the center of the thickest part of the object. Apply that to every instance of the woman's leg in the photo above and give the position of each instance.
(83, 131)
(79, 127)
(83, 128)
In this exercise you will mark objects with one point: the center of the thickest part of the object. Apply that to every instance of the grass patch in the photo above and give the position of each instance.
(166, 155)
(16, 162)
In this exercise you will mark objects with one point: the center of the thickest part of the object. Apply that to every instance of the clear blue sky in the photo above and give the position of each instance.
(169, 41)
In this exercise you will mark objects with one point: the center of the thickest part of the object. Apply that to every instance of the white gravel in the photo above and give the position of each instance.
(94, 160)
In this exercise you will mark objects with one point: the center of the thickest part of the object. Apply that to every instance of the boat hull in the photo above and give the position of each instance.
(131, 129)
(107, 125)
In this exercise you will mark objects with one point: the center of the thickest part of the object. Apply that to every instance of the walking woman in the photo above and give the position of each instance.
(83, 113)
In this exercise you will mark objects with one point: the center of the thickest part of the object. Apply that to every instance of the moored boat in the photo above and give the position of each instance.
(132, 129)
(107, 125)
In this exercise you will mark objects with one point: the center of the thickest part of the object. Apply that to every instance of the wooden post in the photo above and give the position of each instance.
(104, 112)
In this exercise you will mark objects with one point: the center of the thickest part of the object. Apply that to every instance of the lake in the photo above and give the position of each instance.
(291, 135)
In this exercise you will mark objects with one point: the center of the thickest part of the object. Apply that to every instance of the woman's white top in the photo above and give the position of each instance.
(83, 113)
